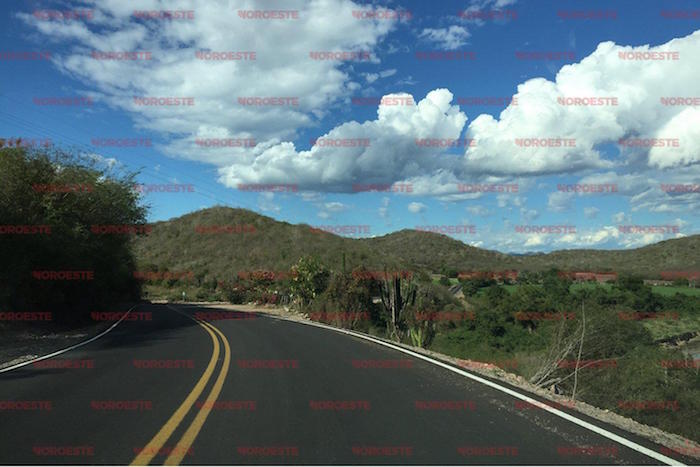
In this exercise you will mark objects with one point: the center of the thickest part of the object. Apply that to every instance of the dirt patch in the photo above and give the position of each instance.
(23, 343)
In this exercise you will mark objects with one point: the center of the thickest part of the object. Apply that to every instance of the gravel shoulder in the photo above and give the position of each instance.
(22, 342)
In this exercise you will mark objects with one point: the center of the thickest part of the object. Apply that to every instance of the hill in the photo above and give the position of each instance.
(179, 245)
(257, 242)
(434, 251)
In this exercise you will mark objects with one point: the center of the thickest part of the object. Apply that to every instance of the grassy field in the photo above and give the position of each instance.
(436, 280)
(666, 291)
(663, 328)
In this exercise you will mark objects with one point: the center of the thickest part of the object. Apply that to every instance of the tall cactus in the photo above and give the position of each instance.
(396, 294)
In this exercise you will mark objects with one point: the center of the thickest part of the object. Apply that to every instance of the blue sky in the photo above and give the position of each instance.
(589, 66)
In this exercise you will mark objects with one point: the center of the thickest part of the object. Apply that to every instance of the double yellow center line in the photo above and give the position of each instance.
(178, 452)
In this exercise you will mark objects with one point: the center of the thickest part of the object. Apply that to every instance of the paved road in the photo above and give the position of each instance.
(270, 391)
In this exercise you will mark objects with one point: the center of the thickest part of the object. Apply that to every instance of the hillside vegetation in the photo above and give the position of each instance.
(50, 202)
(175, 245)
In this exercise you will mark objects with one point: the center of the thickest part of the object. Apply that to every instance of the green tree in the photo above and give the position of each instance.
(70, 194)
(309, 278)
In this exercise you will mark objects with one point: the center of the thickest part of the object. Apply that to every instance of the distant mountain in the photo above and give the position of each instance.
(681, 254)
(180, 245)
(184, 244)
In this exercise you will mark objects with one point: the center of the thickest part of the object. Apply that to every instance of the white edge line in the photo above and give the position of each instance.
(75, 346)
(601, 431)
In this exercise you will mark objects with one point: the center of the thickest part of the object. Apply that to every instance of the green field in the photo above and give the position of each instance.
(666, 291)
(663, 328)
(453, 280)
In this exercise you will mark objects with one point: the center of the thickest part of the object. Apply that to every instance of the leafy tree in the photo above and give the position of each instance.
(309, 278)
(555, 286)
(470, 287)
(69, 193)
(629, 283)
(495, 294)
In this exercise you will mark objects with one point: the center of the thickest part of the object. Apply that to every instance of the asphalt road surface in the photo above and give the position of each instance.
(173, 390)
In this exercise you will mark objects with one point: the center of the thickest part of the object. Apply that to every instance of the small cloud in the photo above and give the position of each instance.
(559, 201)
(384, 209)
(415, 208)
(265, 202)
(619, 217)
(407, 81)
(310, 195)
(529, 214)
(450, 38)
(372, 77)
(591, 212)
(334, 206)
(477, 210)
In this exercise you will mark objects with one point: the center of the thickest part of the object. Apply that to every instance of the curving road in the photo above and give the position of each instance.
(247, 391)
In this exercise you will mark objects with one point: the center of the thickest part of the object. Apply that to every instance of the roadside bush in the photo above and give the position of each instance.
(69, 193)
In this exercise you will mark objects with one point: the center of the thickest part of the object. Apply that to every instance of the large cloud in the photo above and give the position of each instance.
(282, 67)
(387, 152)
(638, 86)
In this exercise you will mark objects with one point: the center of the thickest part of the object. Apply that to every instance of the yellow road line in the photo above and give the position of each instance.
(190, 435)
(154, 446)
